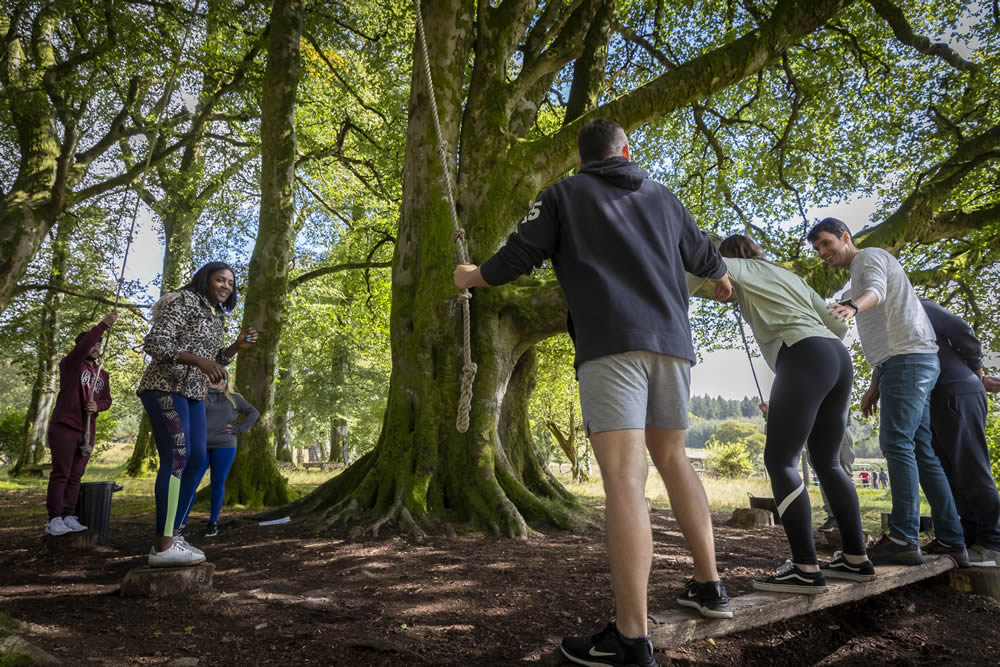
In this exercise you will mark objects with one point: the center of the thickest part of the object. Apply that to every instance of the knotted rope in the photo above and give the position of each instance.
(458, 235)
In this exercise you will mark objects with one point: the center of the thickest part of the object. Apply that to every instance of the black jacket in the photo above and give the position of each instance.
(959, 351)
(620, 244)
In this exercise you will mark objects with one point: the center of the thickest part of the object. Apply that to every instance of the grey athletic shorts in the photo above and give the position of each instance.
(632, 390)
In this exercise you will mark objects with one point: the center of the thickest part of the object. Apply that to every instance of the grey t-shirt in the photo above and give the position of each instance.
(898, 324)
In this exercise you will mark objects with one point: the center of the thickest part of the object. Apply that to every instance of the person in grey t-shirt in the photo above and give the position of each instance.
(899, 343)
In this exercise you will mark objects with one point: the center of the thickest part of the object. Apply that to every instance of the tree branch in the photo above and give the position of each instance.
(336, 268)
(894, 16)
(917, 219)
(553, 156)
(78, 292)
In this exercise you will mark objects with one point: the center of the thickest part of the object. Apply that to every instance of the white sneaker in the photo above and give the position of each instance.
(179, 540)
(56, 526)
(175, 556)
(73, 524)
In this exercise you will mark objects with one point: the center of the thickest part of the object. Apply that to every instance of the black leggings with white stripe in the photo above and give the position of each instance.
(808, 404)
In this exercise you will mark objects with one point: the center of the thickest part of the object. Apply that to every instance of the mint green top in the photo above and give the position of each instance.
(779, 306)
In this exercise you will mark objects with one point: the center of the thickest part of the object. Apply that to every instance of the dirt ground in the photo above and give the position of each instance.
(286, 595)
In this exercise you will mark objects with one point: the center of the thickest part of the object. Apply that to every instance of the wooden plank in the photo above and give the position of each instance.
(675, 627)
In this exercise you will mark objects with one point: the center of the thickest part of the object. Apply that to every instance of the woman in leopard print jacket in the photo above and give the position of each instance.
(185, 347)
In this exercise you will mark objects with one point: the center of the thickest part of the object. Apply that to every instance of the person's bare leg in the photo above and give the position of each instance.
(687, 498)
(621, 456)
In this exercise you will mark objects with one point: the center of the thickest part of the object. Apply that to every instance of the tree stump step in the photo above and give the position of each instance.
(61, 544)
(750, 517)
(834, 541)
(978, 580)
(158, 582)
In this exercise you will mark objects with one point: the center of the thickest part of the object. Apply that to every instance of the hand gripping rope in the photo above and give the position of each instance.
(88, 446)
(458, 235)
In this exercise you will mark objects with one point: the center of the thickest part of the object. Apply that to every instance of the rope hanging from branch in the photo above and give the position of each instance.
(88, 446)
(746, 348)
(468, 366)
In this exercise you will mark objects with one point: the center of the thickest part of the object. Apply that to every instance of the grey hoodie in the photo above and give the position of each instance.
(620, 244)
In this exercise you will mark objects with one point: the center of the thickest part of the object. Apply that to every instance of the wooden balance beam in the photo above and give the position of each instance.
(675, 627)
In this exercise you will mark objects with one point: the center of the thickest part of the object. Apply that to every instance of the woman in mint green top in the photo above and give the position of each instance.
(800, 341)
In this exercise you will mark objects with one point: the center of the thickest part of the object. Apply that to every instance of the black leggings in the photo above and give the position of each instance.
(808, 404)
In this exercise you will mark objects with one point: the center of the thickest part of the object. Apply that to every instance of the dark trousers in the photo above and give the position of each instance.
(68, 466)
(809, 397)
(958, 425)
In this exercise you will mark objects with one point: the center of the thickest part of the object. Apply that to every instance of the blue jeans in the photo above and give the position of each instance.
(220, 460)
(905, 382)
(179, 430)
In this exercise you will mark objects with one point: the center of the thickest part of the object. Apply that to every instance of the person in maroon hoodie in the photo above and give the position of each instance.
(81, 395)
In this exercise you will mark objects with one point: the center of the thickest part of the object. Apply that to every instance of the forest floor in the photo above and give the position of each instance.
(286, 594)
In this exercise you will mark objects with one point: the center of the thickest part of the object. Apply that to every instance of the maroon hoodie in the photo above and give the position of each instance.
(76, 375)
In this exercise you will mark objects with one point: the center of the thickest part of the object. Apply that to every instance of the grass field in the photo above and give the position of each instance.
(724, 495)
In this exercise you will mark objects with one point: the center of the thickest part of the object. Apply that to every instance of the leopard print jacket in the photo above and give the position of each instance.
(183, 321)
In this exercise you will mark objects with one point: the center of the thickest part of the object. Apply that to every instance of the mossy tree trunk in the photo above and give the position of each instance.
(45, 385)
(340, 444)
(422, 469)
(284, 414)
(254, 480)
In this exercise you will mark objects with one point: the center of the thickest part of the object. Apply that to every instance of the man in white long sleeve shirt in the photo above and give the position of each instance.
(900, 344)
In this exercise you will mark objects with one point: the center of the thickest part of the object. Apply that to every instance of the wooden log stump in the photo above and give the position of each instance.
(749, 517)
(70, 542)
(158, 582)
(834, 541)
(978, 580)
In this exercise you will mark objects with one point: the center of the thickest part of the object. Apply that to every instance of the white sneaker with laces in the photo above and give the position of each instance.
(73, 524)
(56, 526)
(175, 556)
(179, 540)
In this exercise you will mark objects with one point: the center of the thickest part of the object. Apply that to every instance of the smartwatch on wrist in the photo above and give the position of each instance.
(850, 304)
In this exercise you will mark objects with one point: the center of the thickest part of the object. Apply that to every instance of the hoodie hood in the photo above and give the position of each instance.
(618, 172)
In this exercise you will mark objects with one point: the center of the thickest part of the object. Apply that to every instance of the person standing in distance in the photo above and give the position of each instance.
(620, 244)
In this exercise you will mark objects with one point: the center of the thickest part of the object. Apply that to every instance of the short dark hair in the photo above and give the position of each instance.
(600, 139)
(199, 283)
(830, 226)
(79, 337)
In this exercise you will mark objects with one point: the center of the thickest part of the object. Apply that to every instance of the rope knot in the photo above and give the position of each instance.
(458, 236)
(464, 295)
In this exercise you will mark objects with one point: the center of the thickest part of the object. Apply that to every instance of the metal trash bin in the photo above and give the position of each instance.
(759, 503)
(93, 507)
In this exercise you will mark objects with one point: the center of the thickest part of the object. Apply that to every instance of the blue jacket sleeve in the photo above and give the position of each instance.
(959, 335)
(525, 250)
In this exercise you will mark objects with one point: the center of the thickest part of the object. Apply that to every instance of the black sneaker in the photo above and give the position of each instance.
(709, 598)
(211, 530)
(608, 647)
(790, 579)
(829, 526)
(888, 552)
(841, 568)
(959, 554)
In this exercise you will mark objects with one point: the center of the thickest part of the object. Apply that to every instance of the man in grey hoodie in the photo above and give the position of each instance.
(620, 244)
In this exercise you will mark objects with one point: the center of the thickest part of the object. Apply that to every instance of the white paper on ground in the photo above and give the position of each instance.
(275, 522)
